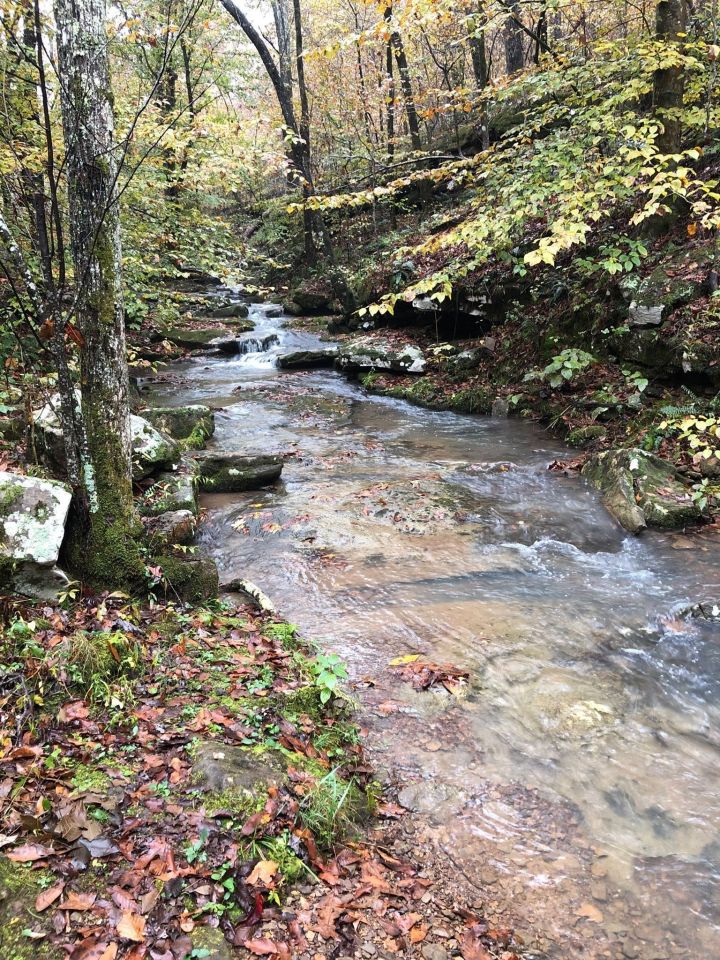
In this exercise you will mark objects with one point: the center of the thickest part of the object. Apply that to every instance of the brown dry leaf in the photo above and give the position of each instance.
(329, 909)
(110, 953)
(131, 926)
(29, 852)
(48, 896)
(263, 872)
(78, 902)
(471, 947)
(260, 947)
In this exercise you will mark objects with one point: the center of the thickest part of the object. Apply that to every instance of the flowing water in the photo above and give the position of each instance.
(575, 782)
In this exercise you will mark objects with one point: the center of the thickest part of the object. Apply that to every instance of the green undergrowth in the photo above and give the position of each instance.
(115, 701)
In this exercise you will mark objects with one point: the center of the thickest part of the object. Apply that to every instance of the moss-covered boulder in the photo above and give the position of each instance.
(190, 580)
(172, 491)
(33, 513)
(231, 311)
(641, 490)
(583, 436)
(169, 529)
(210, 943)
(235, 472)
(367, 354)
(192, 425)
(151, 450)
(191, 338)
(307, 359)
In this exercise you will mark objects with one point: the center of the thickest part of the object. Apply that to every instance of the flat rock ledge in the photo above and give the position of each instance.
(307, 359)
(236, 472)
(640, 490)
(367, 354)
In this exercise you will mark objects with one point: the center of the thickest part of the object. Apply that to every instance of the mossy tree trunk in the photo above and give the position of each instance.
(103, 544)
(669, 86)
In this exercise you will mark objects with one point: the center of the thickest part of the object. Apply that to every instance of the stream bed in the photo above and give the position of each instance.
(575, 782)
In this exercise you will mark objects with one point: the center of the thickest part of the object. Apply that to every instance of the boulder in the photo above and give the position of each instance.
(151, 450)
(641, 490)
(192, 425)
(172, 491)
(169, 529)
(190, 580)
(367, 354)
(582, 436)
(218, 767)
(210, 943)
(192, 339)
(33, 513)
(234, 472)
(193, 279)
(306, 359)
(231, 311)
(312, 296)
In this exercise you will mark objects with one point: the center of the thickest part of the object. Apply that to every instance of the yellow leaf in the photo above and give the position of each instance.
(407, 658)
(691, 229)
(263, 872)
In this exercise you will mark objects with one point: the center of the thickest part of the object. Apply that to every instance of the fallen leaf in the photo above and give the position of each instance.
(261, 947)
(48, 896)
(131, 926)
(29, 852)
(78, 901)
(263, 872)
(407, 658)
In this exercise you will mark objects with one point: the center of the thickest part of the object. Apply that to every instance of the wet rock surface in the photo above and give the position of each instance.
(181, 423)
(307, 359)
(641, 490)
(235, 472)
(367, 354)
(219, 767)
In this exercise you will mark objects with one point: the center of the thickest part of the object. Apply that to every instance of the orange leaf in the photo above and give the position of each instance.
(48, 896)
(131, 926)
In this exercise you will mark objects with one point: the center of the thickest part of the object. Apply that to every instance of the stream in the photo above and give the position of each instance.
(575, 780)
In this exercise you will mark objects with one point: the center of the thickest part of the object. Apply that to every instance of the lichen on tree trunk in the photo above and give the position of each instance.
(102, 543)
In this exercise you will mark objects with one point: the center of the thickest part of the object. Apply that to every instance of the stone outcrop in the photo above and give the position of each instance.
(169, 529)
(307, 359)
(172, 491)
(366, 354)
(191, 425)
(234, 472)
(641, 490)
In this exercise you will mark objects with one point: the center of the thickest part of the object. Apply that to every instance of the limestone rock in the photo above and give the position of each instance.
(234, 472)
(641, 490)
(193, 424)
(644, 315)
(176, 526)
(220, 766)
(33, 513)
(367, 354)
(306, 359)
(191, 339)
(171, 492)
(151, 450)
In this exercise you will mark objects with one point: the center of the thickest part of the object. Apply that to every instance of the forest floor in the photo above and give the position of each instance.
(173, 785)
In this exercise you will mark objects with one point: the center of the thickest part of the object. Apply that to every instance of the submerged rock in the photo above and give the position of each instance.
(305, 359)
(234, 472)
(192, 425)
(365, 354)
(33, 513)
(641, 490)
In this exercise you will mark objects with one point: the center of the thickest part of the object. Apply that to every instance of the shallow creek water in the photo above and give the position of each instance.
(576, 781)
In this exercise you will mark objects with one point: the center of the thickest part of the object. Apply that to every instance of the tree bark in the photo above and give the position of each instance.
(514, 52)
(103, 545)
(669, 84)
(405, 81)
(481, 68)
(310, 249)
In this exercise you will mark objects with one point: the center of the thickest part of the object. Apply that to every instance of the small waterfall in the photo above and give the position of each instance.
(258, 344)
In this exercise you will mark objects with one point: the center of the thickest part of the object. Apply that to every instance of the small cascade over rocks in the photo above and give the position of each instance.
(257, 344)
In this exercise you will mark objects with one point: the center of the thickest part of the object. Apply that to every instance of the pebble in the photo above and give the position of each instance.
(630, 950)
(442, 933)
(433, 951)
(369, 949)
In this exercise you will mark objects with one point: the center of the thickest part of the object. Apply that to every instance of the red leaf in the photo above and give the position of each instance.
(29, 852)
